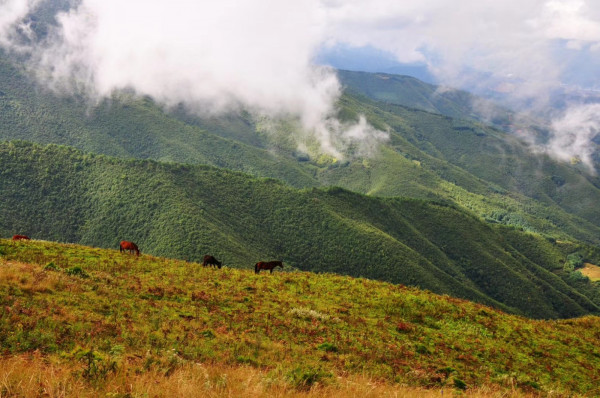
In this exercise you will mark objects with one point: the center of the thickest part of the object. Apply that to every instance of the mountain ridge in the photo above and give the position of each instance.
(187, 211)
(415, 162)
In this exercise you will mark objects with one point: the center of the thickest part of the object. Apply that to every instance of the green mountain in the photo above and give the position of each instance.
(410, 92)
(186, 211)
(428, 155)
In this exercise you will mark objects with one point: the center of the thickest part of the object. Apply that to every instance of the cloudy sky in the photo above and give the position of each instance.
(261, 54)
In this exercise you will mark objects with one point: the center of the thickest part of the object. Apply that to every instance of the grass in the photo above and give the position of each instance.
(32, 374)
(153, 326)
(591, 271)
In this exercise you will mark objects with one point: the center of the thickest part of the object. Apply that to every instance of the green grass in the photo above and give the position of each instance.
(157, 314)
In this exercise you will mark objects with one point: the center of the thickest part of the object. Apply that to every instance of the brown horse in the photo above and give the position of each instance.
(21, 237)
(129, 246)
(210, 260)
(267, 265)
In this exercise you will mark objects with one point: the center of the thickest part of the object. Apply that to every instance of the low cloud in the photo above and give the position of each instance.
(574, 133)
(12, 13)
(212, 56)
(257, 55)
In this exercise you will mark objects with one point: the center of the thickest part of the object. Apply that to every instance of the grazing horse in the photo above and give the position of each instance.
(267, 265)
(210, 260)
(129, 246)
(21, 237)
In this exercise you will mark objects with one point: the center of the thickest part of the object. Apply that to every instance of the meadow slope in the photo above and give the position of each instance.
(110, 319)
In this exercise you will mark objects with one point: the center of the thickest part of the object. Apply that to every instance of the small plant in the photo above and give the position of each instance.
(327, 347)
(458, 383)
(404, 327)
(96, 366)
(421, 349)
(77, 271)
(51, 267)
(303, 378)
(307, 313)
(246, 360)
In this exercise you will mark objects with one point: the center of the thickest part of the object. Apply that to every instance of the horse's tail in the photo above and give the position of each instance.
(256, 270)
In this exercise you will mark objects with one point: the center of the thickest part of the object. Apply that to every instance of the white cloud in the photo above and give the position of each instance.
(212, 56)
(12, 13)
(573, 135)
(258, 54)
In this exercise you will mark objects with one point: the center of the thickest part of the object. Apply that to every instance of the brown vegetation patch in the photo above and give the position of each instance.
(591, 271)
(30, 375)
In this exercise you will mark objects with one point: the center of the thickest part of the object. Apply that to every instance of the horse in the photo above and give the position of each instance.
(267, 265)
(21, 237)
(128, 246)
(210, 260)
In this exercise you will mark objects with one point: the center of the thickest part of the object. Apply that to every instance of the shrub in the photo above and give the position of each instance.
(303, 378)
(328, 347)
(404, 327)
(77, 271)
(458, 383)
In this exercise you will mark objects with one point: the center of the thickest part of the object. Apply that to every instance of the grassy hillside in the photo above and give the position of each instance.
(428, 156)
(110, 319)
(185, 211)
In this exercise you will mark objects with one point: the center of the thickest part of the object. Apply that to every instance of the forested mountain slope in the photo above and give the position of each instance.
(427, 155)
(186, 211)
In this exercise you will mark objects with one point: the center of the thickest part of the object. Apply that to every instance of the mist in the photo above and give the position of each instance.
(525, 53)
(574, 133)
(259, 55)
(213, 58)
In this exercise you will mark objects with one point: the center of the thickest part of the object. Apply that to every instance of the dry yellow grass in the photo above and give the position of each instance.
(28, 277)
(33, 375)
(591, 271)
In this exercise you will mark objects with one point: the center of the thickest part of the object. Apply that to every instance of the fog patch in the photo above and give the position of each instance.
(573, 135)
(212, 57)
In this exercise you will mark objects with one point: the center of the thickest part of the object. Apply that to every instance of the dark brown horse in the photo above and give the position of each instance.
(267, 265)
(129, 246)
(210, 260)
(21, 237)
